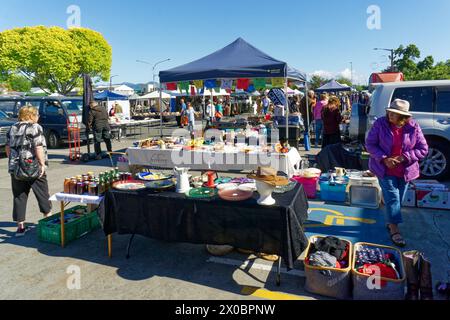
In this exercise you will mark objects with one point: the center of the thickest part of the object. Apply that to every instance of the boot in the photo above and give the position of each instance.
(411, 261)
(426, 282)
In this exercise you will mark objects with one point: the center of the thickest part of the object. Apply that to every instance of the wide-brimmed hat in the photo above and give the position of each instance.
(400, 106)
(269, 176)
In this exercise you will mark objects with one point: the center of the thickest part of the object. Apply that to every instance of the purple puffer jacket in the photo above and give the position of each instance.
(379, 144)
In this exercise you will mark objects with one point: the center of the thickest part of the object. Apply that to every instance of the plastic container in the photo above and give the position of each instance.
(333, 192)
(364, 287)
(49, 232)
(365, 196)
(309, 185)
(330, 282)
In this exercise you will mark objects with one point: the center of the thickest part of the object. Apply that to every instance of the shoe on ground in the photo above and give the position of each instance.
(21, 231)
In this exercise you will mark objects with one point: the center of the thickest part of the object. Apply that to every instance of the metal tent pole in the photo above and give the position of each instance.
(160, 111)
(286, 106)
(306, 136)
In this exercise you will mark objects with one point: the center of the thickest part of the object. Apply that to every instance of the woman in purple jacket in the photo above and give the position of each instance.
(396, 145)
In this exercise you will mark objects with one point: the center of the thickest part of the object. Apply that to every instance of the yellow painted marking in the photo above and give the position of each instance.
(338, 217)
(270, 295)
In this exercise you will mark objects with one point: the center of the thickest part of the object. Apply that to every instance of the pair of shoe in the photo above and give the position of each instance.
(21, 231)
(418, 276)
(398, 241)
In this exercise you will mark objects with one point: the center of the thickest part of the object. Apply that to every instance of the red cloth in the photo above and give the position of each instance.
(243, 84)
(171, 86)
(385, 271)
(193, 92)
(398, 171)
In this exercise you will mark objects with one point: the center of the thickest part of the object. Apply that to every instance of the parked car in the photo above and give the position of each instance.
(54, 113)
(430, 106)
(5, 123)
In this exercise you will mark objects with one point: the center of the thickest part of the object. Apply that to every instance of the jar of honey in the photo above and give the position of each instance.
(67, 185)
(80, 188)
(93, 189)
(73, 186)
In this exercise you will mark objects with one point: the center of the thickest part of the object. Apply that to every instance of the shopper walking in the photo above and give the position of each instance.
(98, 123)
(332, 118)
(396, 145)
(26, 149)
(317, 113)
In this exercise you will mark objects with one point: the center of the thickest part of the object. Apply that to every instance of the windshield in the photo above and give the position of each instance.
(73, 106)
(3, 115)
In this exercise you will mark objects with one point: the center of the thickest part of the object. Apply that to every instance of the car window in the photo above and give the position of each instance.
(443, 100)
(3, 115)
(51, 108)
(73, 106)
(34, 103)
(420, 98)
(8, 107)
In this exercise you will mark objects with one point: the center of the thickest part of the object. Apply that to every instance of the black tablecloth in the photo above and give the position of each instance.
(169, 216)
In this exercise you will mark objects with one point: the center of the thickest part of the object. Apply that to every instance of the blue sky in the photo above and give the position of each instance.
(320, 36)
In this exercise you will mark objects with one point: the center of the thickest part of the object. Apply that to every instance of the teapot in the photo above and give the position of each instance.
(182, 179)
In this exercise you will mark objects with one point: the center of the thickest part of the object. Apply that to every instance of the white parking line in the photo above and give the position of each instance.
(258, 266)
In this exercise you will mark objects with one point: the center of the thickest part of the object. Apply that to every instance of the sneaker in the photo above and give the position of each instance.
(21, 231)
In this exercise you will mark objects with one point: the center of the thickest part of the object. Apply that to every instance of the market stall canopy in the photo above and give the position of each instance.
(155, 95)
(237, 60)
(333, 86)
(108, 95)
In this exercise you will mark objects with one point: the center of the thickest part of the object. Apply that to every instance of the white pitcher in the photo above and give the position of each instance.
(182, 179)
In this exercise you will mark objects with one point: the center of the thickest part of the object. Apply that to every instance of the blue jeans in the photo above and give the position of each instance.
(394, 190)
(319, 128)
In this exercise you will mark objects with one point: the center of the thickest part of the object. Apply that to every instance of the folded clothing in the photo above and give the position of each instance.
(334, 246)
(322, 259)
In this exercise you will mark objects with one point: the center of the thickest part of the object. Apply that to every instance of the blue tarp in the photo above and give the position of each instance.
(108, 95)
(335, 86)
(237, 60)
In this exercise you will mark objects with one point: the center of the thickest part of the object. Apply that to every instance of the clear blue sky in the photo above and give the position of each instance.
(321, 35)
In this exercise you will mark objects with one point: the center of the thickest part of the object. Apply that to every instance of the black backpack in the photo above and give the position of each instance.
(27, 167)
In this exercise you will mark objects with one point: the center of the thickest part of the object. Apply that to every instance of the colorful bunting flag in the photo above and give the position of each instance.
(278, 82)
(210, 84)
(217, 89)
(193, 93)
(243, 84)
(171, 86)
(183, 86)
(227, 84)
(198, 84)
(259, 83)
(251, 88)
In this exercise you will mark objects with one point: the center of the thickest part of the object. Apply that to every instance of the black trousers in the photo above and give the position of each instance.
(21, 189)
(102, 134)
(331, 139)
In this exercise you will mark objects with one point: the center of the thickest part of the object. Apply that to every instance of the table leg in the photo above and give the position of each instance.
(109, 245)
(279, 271)
(62, 225)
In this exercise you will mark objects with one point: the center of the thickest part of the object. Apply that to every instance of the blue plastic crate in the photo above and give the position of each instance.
(333, 192)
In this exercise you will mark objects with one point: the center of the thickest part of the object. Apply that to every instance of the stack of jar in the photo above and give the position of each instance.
(89, 184)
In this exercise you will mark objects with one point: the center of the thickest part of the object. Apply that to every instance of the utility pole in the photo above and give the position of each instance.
(391, 57)
(110, 81)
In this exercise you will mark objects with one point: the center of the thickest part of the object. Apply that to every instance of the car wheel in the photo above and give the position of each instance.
(436, 164)
(53, 140)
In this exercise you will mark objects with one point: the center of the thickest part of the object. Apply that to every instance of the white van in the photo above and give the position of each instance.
(430, 106)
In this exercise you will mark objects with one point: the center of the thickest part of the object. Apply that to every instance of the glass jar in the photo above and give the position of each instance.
(73, 186)
(67, 185)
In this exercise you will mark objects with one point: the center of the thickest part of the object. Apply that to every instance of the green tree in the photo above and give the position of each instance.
(406, 60)
(317, 81)
(54, 58)
(19, 83)
(343, 80)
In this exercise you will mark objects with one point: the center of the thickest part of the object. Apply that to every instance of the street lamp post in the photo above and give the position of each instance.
(110, 81)
(391, 56)
(159, 88)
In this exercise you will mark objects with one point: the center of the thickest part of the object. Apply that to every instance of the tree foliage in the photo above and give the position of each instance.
(54, 58)
(317, 81)
(406, 60)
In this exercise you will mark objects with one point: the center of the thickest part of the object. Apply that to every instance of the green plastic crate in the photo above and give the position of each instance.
(73, 230)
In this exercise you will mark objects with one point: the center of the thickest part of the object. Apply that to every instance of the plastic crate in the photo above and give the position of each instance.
(390, 289)
(73, 230)
(333, 192)
(330, 282)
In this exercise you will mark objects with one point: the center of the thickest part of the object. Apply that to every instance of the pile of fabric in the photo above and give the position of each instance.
(329, 252)
(370, 260)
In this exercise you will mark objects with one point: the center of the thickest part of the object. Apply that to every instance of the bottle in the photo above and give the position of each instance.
(73, 186)
(67, 185)
(101, 189)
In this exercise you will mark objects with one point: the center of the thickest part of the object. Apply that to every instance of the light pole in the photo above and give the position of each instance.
(391, 56)
(110, 81)
(160, 91)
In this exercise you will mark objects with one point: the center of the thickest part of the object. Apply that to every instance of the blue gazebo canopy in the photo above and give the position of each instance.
(109, 95)
(237, 60)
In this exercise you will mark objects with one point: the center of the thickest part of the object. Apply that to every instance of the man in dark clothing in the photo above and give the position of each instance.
(311, 104)
(98, 123)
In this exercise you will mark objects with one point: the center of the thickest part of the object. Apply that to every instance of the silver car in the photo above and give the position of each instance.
(430, 106)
